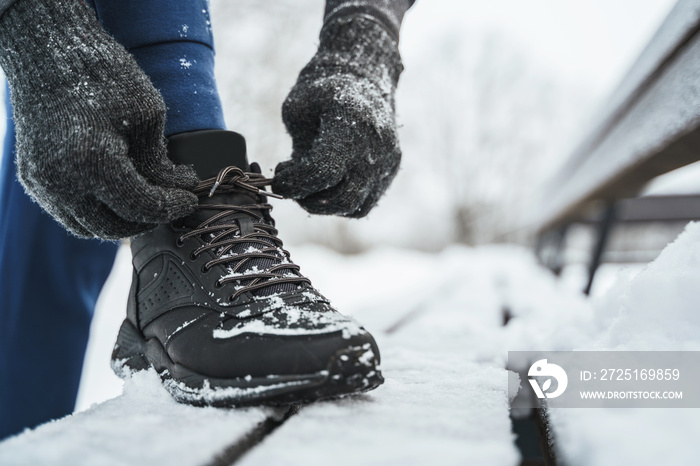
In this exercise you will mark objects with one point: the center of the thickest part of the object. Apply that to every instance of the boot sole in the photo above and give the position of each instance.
(350, 370)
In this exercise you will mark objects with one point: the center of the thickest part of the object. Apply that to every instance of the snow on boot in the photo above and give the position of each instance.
(218, 308)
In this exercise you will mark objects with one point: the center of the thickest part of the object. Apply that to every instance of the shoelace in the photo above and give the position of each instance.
(222, 235)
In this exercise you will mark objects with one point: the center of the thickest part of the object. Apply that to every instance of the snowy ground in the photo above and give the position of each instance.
(438, 320)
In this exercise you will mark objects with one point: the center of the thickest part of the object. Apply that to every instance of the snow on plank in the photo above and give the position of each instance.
(615, 436)
(143, 426)
(445, 394)
(654, 310)
(432, 406)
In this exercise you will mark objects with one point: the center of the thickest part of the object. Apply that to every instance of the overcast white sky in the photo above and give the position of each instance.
(592, 40)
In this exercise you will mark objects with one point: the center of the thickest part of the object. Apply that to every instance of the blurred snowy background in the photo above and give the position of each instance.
(493, 97)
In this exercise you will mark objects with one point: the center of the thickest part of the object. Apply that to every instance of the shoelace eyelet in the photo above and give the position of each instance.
(234, 180)
(179, 242)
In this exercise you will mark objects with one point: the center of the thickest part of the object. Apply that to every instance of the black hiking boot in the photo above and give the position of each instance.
(218, 308)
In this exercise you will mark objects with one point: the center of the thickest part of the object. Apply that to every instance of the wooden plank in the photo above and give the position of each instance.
(144, 426)
(671, 208)
(442, 403)
(436, 407)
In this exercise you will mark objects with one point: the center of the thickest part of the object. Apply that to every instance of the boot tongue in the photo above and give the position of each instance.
(209, 151)
(200, 216)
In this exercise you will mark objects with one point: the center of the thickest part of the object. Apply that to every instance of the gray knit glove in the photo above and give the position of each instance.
(340, 115)
(90, 144)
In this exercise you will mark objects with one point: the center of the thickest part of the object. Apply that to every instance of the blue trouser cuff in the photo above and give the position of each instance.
(172, 42)
(183, 72)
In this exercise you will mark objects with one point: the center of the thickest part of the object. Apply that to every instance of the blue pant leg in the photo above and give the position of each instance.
(49, 279)
(172, 42)
(49, 283)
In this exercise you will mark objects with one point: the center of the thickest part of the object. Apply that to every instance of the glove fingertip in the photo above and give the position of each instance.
(283, 166)
(179, 203)
(285, 180)
(283, 188)
(363, 210)
(185, 177)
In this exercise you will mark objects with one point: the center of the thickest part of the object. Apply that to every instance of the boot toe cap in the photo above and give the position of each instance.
(294, 342)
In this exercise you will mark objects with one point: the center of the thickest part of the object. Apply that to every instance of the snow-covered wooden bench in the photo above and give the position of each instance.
(445, 399)
(440, 329)
(649, 126)
(438, 321)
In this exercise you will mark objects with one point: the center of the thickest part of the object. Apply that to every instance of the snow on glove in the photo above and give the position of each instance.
(340, 114)
(90, 144)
